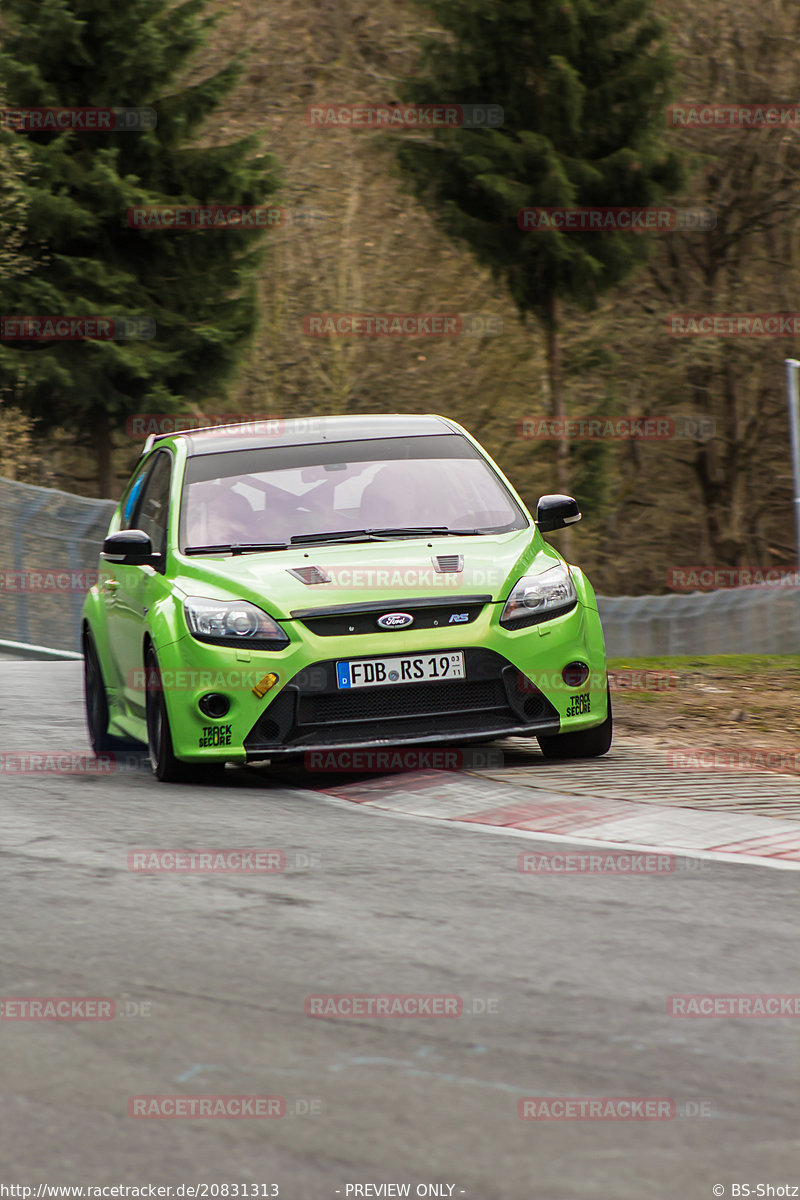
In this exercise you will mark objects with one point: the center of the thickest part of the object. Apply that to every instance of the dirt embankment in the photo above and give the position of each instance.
(727, 705)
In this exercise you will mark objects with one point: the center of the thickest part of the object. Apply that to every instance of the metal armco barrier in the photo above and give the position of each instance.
(49, 540)
(744, 620)
(52, 533)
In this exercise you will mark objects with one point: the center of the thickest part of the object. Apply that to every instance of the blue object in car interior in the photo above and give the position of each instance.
(130, 503)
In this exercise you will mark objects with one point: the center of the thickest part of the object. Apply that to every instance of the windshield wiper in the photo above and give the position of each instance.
(237, 548)
(355, 535)
(368, 535)
(423, 531)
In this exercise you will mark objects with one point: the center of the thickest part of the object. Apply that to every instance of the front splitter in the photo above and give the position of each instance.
(544, 728)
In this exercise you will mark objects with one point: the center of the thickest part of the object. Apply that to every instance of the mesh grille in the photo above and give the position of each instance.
(269, 730)
(412, 700)
(534, 706)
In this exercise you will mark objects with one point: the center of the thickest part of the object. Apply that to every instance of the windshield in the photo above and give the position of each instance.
(270, 495)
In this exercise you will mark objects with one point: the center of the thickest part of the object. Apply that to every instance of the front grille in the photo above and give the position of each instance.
(416, 699)
(494, 698)
(363, 618)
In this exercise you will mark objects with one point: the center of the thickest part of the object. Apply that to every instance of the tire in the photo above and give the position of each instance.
(585, 743)
(94, 698)
(166, 767)
(96, 703)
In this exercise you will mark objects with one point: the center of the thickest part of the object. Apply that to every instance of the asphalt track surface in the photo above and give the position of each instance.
(564, 983)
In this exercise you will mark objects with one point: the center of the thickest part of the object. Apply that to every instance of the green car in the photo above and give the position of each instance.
(315, 587)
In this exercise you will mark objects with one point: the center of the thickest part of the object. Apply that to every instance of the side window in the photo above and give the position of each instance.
(151, 513)
(132, 494)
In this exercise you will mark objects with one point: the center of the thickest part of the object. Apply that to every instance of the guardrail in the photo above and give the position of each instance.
(744, 620)
(46, 531)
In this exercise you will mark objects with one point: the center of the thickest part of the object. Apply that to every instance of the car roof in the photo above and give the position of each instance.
(304, 431)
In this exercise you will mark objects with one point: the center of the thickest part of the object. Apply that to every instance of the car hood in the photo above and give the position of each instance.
(385, 572)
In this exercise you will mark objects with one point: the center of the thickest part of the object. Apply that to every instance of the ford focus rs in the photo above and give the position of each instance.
(334, 583)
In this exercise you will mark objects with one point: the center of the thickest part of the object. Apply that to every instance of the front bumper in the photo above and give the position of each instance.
(512, 686)
(311, 713)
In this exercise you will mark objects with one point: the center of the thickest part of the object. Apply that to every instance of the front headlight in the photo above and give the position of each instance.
(229, 622)
(538, 597)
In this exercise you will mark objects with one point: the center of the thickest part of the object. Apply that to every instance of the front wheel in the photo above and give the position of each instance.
(94, 696)
(96, 703)
(584, 743)
(166, 767)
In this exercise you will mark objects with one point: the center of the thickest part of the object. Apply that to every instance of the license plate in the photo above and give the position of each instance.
(379, 672)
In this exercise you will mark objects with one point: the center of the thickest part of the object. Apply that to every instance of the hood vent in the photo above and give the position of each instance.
(448, 564)
(310, 575)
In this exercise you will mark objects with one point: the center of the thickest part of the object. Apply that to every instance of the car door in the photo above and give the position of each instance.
(138, 586)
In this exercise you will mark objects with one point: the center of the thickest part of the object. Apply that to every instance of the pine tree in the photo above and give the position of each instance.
(14, 161)
(197, 286)
(583, 85)
(16, 452)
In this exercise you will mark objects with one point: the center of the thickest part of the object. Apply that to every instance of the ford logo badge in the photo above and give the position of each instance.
(395, 620)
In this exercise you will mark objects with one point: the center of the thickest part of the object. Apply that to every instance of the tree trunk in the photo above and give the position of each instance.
(102, 447)
(558, 411)
(720, 465)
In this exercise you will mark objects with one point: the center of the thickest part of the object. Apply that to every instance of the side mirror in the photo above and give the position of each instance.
(554, 512)
(129, 547)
